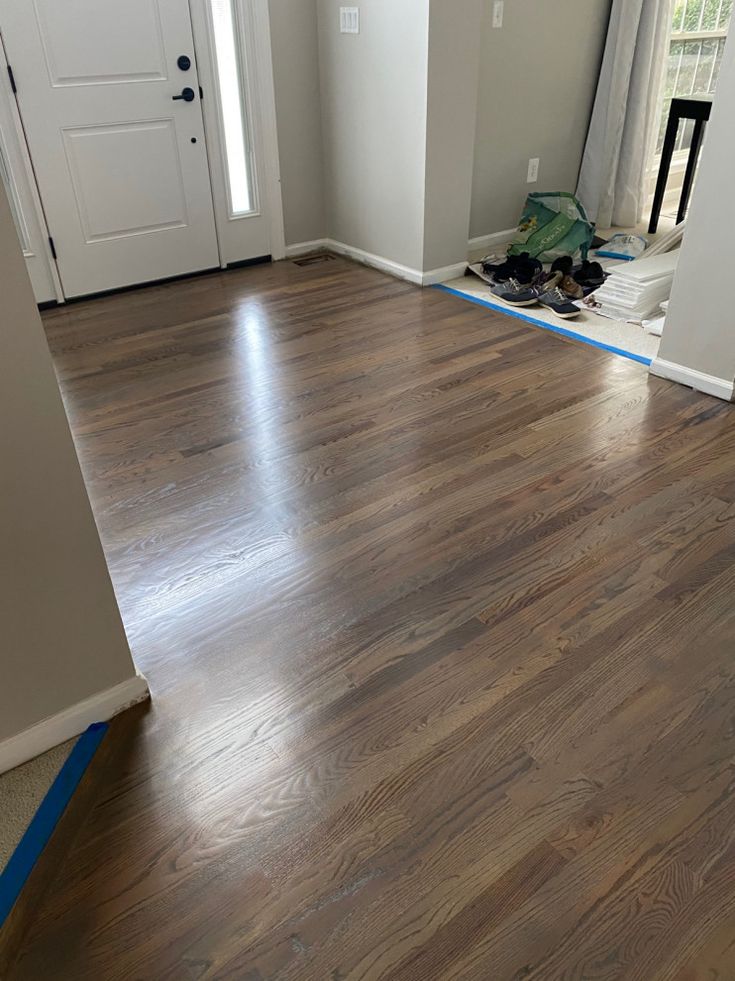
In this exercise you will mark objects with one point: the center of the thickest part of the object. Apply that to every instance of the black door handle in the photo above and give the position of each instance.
(187, 95)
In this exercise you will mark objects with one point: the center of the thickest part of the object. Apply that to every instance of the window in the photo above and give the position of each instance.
(698, 33)
(232, 107)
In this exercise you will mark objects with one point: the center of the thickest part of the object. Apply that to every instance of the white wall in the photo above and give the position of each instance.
(61, 637)
(538, 76)
(373, 94)
(295, 47)
(699, 335)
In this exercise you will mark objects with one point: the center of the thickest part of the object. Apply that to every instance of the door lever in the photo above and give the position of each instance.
(187, 95)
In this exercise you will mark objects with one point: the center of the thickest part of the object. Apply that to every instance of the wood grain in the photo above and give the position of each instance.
(437, 613)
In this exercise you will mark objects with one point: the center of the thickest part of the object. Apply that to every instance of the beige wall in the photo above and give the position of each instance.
(294, 44)
(61, 637)
(373, 93)
(538, 75)
(700, 323)
(453, 68)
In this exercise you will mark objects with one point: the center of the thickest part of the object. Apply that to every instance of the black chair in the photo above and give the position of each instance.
(694, 107)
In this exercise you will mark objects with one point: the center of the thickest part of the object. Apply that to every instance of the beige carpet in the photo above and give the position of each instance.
(21, 792)
(589, 326)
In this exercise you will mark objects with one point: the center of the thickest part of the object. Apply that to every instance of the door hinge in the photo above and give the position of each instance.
(11, 76)
(201, 93)
(52, 247)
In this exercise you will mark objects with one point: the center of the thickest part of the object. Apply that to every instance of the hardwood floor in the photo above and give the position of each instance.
(437, 611)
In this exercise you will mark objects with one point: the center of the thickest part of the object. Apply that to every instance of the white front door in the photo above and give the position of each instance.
(119, 156)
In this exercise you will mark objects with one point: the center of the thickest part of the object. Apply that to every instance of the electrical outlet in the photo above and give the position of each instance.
(349, 20)
(532, 170)
(498, 8)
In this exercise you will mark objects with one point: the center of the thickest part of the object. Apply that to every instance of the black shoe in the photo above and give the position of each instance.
(563, 264)
(521, 267)
(590, 274)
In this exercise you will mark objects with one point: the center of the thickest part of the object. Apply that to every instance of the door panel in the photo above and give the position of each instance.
(121, 166)
(98, 156)
(132, 51)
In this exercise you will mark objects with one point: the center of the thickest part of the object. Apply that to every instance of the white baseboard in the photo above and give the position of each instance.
(71, 722)
(721, 388)
(444, 274)
(487, 242)
(304, 248)
(378, 261)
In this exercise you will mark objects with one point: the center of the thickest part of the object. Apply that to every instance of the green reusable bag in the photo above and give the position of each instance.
(553, 224)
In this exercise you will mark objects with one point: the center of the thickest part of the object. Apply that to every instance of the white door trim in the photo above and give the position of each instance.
(266, 101)
(18, 162)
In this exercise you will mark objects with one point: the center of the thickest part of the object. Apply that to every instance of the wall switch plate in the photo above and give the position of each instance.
(498, 13)
(532, 170)
(349, 20)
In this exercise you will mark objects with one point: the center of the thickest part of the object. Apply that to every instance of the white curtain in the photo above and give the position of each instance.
(626, 112)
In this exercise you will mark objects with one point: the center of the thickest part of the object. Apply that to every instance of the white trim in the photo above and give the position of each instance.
(444, 274)
(304, 248)
(721, 388)
(71, 722)
(488, 241)
(377, 262)
(24, 175)
(266, 94)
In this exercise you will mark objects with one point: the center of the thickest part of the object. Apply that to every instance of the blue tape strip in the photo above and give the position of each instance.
(540, 323)
(53, 805)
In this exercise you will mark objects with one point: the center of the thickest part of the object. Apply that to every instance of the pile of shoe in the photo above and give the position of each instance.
(522, 282)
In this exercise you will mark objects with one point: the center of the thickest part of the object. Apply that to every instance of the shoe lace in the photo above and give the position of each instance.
(559, 295)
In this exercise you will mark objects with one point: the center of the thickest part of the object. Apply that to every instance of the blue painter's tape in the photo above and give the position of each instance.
(53, 805)
(540, 323)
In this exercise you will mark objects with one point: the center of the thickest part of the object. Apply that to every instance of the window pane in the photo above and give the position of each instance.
(231, 106)
(705, 69)
(710, 15)
(678, 21)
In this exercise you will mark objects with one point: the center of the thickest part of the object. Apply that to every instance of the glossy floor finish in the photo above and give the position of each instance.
(437, 610)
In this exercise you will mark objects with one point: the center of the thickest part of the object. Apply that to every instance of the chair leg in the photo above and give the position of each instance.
(686, 189)
(672, 128)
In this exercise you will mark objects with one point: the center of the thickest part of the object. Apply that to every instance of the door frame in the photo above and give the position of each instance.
(260, 92)
(23, 193)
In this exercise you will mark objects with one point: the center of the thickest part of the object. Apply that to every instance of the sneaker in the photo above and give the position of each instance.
(571, 288)
(556, 300)
(515, 293)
